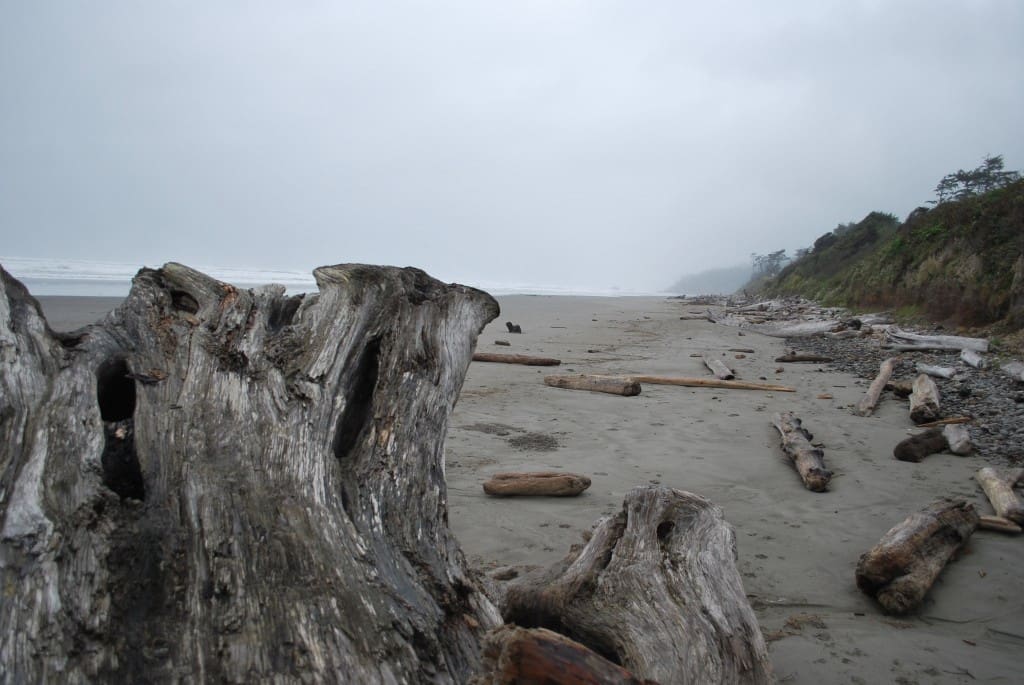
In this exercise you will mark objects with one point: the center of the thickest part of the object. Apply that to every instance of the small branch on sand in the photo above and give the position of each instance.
(946, 421)
(523, 359)
(870, 400)
(608, 384)
(544, 483)
(807, 459)
(710, 383)
(998, 486)
(903, 566)
(797, 357)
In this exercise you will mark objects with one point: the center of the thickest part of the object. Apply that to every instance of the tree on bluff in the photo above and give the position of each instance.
(769, 264)
(964, 184)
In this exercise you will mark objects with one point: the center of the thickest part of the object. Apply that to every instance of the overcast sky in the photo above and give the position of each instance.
(589, 144)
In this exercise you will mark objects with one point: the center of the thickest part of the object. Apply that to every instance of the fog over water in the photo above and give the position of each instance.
(577, 145)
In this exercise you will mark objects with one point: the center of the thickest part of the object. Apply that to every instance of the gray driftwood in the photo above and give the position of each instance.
(610, 384)
(674, 550)
(972, 358)
(543, 483)
(958, 438)
(807, 459)
(899, 339)
(225, 485)
(945, 372)
(901, 568)
(868, 403)
(1014, 370)
(924, 400)
(998, 485)
(717, 368)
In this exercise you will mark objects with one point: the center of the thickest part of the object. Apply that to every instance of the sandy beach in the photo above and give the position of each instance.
(797, 549)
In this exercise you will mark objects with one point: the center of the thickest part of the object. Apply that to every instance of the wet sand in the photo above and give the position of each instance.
(797, 549)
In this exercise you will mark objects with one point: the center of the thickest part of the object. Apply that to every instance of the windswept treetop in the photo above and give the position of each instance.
(961, 184)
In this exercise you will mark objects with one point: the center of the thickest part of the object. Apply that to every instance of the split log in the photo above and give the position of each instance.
(535, 655)
(958, 438)
(917, 447)
(946, 342)
(972, 358)
(945, 372)
(998, 486)
(525, 360)
(795, 357)
(656, 590)
(1014, 370)
(593, 383)
(999, 524)
(710, 383)
(270, 505)
(720, 370)
(807, 459)
(536, 483)
(870, 400)
(901, 568)
(924, 400)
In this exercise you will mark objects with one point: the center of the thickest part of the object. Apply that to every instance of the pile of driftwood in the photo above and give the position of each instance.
(217, 484)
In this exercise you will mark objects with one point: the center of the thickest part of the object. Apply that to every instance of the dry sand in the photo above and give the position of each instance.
(797, 549)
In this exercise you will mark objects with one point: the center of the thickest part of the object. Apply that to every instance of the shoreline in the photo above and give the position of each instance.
(797, 550)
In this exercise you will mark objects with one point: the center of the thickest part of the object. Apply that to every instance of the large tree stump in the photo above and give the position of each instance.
(656, 590)
(808, 460)
(224, 485)
(901, 568)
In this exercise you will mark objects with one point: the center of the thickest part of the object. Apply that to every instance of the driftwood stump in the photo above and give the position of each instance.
(901, 568)
(924, 400)
(226, 485)
(808, 460)
(656, 590)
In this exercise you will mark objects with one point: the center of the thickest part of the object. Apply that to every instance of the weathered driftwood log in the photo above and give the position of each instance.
(1014, 370)
(924, 400)
(901, 389)
(808, 329)
(946, 372)
(536, 655)
(539, 483)
(999, 524)
(609, 384)
(800, 357)
(958, 438)
(217, 484)
(710, 383)
(972, 358)
(998, 486)
(917, 447)
(523, 359)
(868, 403)
(656, 590)
(942, 342)
(807, 459)
(901, 568)
(718, 369)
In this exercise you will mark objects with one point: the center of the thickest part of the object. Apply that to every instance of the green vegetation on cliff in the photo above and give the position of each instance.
(961, 261)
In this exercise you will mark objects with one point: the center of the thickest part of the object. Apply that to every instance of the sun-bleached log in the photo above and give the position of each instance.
(536, 483)
(536, 655)
(1014, 370)
(217, 484)
(525, 360)
(945, 372)
(958, 438)
(807, 329)
(656, 590)
(717, 368)
(868, 403)
(998, 485)
(800, 357)
(924, 400)
(903, 566)
(998, 524)
(972, 359)
(594, 383)
(917, 447)
(807, 459)
(946, 342)
(710, 383)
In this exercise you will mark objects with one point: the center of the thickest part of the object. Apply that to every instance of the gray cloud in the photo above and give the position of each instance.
(580, 143)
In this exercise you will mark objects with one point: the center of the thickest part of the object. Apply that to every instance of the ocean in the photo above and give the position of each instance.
(70, 277)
